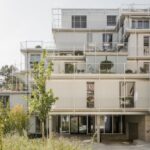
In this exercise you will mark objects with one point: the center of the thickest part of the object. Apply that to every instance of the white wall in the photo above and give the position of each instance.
(96, 18)
(73, 93)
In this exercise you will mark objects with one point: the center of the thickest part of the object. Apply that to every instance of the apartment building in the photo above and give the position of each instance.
(101, 72)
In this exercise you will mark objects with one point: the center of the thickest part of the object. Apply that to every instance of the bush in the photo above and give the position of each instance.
(17, 142)
(128, 71)
(18, 119)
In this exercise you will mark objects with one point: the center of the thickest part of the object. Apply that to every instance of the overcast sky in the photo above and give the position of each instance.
(22, 20)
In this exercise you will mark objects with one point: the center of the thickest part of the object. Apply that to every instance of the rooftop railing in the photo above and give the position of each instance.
(75, 48)
(37, 45)
(136, 8)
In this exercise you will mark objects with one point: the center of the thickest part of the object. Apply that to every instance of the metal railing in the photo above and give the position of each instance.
(74, 48)
(103, 67)
(37, 45)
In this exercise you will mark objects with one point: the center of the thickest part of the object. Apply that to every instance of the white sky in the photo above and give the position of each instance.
(22, 20)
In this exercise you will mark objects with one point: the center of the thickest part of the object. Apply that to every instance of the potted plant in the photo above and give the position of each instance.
(106, 66)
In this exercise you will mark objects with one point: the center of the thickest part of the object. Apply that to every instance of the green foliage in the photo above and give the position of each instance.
(10, 82)
(18, 119)
(16, 142)
(41, 99)
(14, 120)
(106, 65)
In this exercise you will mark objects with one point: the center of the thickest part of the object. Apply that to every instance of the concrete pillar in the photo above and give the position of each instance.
(147, 128)
(50, 126)
(98, 128)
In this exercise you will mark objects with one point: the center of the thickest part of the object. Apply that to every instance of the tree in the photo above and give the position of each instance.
(9, 81)
(41, 100)
(106, 65)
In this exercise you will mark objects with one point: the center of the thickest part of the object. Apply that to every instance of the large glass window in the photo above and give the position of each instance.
(90, 94)
(79, 21)
(65, 120)
(113, 124)
(82, 124)
(74, 124)
(111, 20)
(127, 90)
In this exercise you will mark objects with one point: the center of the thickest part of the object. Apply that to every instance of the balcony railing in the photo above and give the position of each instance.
(104, 67)
(37, 45)
(13, 87)
(137, 8)
(75, 49)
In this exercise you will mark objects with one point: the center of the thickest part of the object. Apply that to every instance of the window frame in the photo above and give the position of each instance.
(111, 20)
(79, 21)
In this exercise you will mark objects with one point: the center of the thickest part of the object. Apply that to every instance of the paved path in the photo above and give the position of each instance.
(137, 145)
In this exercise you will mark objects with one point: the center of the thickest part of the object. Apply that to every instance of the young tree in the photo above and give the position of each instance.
(41, 100)
(8, 80)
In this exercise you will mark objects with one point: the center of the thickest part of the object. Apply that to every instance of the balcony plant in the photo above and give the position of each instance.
(69, 68)
(106, 66)
(128, 71)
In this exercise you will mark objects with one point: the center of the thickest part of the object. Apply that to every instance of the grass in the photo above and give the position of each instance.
(16, 142)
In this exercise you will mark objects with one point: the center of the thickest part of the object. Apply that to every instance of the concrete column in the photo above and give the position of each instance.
(98, 128)
(87, 125)
(50, 126)
(147, 128)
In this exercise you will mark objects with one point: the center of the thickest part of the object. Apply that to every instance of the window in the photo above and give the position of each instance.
(38, 125)
(127, 94)
(79, 21)
(146, 24)
(113, 124)
(90, 94)
(140, 24)
(146, 45)
(5, 100)
(133, 24)
(111, 20)
(65, 120)
(107, 41)
(145, 68)
(34, 58)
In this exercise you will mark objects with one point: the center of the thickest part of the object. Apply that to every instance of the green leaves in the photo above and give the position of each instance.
(41, 99)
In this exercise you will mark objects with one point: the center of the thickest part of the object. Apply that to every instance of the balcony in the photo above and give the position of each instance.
(36, 45)
(104, 67)
(138, 9)
(73, 49)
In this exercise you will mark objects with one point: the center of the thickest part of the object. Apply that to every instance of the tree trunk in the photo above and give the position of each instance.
(43, 131)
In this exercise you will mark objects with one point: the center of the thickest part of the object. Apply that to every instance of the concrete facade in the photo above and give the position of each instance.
(119, 96)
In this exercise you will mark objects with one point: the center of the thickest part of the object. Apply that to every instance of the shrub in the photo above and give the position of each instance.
(17, 142)
(18, 119)
(128, 71)
(106, 65)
